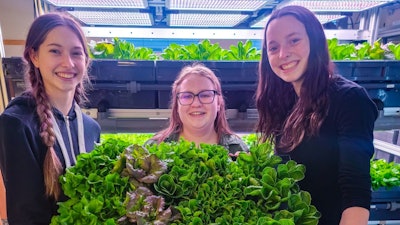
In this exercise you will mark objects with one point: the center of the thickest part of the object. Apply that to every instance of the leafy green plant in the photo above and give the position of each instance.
(395, 50)
(242, 51)
(101, 50)
(127, 50)
(179, 183)
(137, 138)
(173, 52)
(96, 195)
(120, 49)
(341, 51)
(376, 51)
(365, 51)
(384, 174)
(204, 185)
(117, 184)
(362, 51)
(250, 139)
(204, 50)
(143, 169)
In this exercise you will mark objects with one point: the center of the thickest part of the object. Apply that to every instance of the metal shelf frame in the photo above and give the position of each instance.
(205, 33)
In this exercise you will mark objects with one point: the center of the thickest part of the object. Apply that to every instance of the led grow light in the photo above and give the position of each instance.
(337, 5)
(205, 19)
(113, 18)
(220, 5)
(137, 4)
(326, 18)
(260, 23)
(323, 18)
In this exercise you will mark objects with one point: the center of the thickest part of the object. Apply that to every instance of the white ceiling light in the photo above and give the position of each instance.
(326, 18)
(261, 23)
(113, 18)
(336, 5)
(323, 18)
(205, 19)
(137, 4)
(220, 5)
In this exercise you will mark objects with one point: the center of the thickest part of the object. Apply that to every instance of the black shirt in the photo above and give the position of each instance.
(338, 160)
(22, 153)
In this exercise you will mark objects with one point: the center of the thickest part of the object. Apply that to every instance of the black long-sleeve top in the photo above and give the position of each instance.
(22, 153)
(338, 160)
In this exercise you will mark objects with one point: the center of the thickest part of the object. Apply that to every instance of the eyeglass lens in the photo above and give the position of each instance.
(205, 97)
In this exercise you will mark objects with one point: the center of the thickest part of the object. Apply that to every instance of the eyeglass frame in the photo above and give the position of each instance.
(196, 95)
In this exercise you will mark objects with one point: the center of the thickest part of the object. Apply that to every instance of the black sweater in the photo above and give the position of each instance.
(22, 154)
(338, 160)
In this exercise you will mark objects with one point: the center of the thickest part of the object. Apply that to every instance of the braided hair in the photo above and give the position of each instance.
(52, 167)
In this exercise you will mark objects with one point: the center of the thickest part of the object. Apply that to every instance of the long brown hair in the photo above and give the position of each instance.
(281, 112)
(41, 26)
(221, 125)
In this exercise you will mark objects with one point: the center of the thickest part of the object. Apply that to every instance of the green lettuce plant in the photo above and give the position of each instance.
(204, 50)
(384, 174)
(120, 49)
(243, 52)
(180, 183)
(394, 49)
(362, 51)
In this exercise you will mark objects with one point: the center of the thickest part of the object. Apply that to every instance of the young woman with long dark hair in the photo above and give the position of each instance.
(315, 116)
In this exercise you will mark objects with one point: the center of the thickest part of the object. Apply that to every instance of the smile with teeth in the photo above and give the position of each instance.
(197, 113)
(289, 65)
(66, 75)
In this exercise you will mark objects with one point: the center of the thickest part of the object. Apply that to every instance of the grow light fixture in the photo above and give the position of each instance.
(131, 4)
(260, 23)
(219, 5)
(323, 18)
(336, 5)
(326, 18)
(113, 18)
(205, 19)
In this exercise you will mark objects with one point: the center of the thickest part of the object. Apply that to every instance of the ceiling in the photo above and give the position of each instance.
(246, 14)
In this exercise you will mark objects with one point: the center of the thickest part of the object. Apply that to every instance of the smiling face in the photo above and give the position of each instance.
(198, 117)
(61, 61)
(288, 49)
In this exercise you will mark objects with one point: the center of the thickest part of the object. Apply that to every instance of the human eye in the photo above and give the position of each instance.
(55, 51)
(206, 94)
(294, 41)
(186, 96)
(77, 52)
(272, 48)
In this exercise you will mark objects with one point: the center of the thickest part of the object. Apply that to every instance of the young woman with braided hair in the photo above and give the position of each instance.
(43, 130)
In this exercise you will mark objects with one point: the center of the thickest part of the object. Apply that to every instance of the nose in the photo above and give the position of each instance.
(67, 60)
(284, 52)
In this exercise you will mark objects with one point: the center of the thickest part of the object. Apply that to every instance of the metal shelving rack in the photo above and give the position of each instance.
(184, 33)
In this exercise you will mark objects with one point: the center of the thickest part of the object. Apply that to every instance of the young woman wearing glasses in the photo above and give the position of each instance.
(198, 111)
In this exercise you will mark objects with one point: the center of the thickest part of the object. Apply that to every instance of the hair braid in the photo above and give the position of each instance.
(52, 167)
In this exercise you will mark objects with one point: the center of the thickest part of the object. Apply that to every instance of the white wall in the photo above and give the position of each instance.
(15, 18)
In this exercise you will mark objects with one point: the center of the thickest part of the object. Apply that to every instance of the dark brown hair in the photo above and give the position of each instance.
(281, 112)
(41, 26)
(221, 125)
